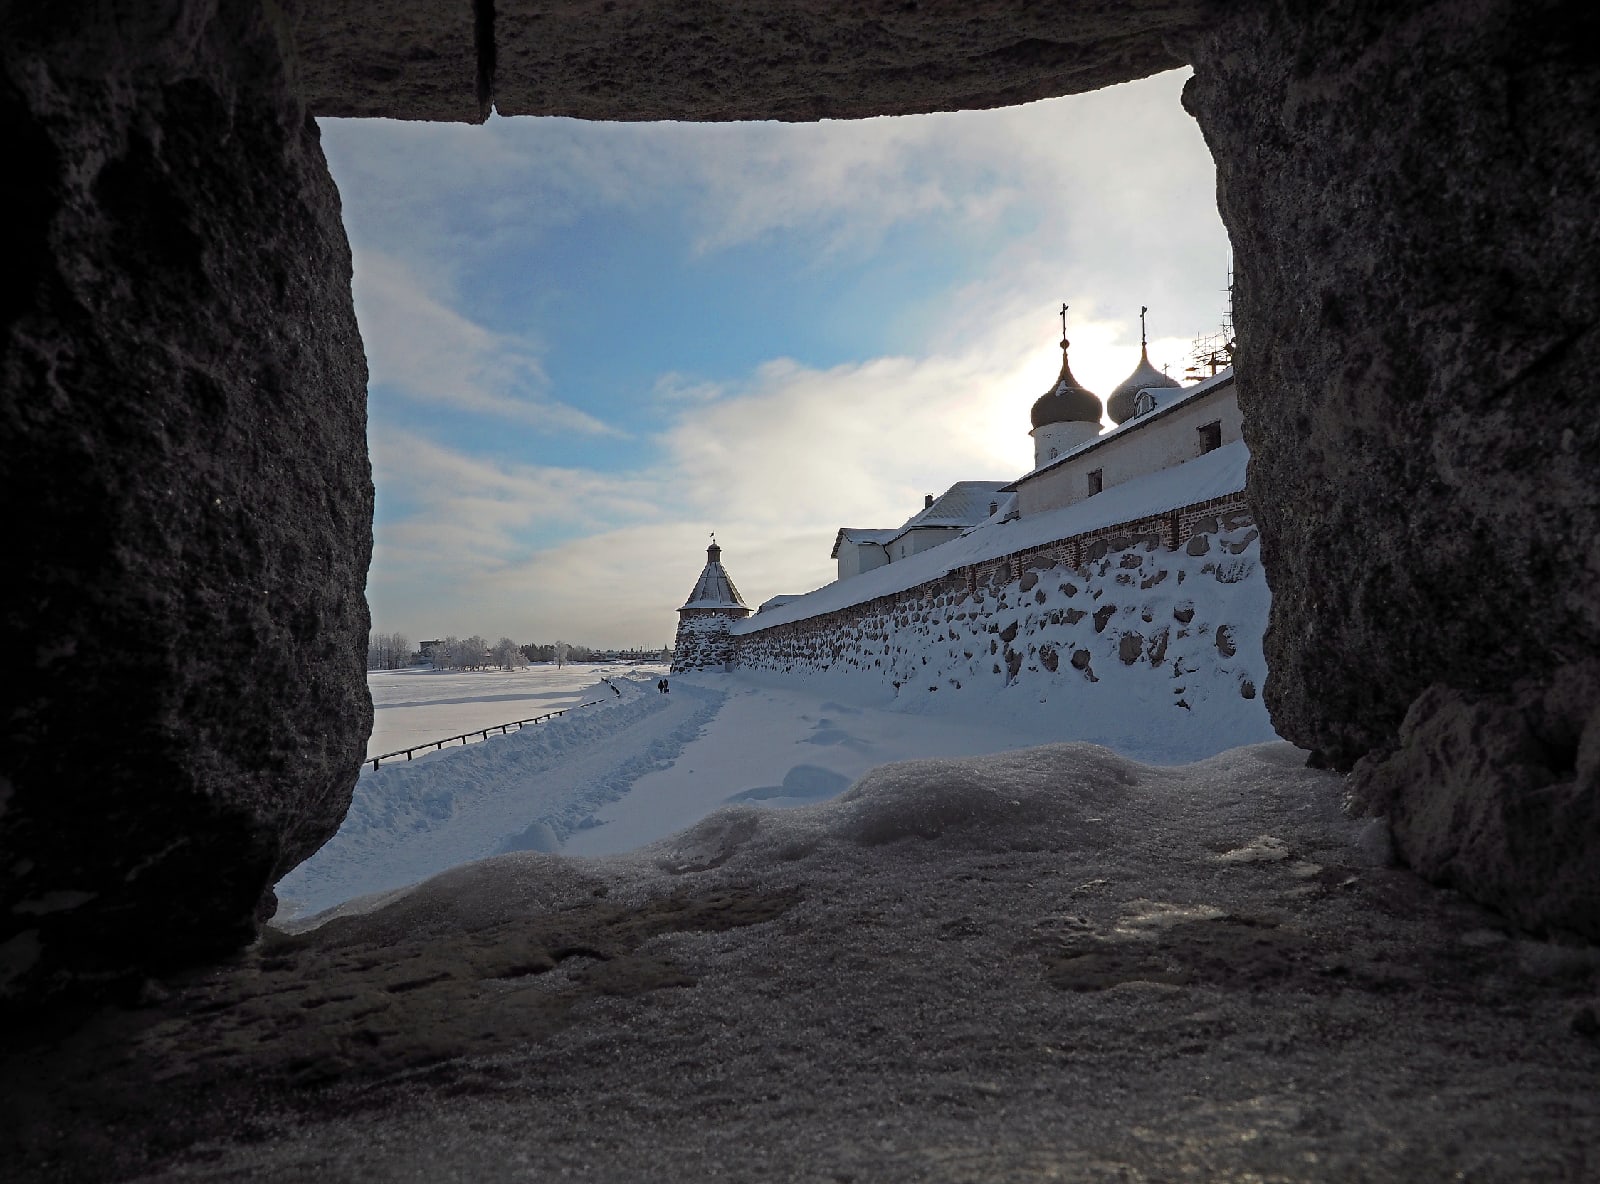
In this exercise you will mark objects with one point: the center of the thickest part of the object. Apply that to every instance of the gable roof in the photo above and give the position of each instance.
(964, 504)
(859, 535)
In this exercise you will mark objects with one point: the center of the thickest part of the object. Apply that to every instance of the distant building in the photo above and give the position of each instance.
(1158, 424)
(942, 518)
(714, 604)
(1166, 425)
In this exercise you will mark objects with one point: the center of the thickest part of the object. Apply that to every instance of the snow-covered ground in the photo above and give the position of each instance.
(640, 765)
(421, 704)
(1057, 964)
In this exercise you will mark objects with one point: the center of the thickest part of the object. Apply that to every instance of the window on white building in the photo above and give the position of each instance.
(1210, 436)
(1097, 481)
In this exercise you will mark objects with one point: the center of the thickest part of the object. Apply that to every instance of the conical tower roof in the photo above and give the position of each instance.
(714, 589)
(1068, 400)
(1144, 377)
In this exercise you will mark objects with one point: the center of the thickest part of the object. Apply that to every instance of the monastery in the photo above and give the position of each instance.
(1157, 425)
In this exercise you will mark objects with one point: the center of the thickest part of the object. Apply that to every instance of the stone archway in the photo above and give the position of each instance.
(1411, 194)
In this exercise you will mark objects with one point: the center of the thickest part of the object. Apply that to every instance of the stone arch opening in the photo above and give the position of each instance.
(1412, 205)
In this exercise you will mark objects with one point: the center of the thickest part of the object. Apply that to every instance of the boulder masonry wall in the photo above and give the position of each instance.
(1054, 620)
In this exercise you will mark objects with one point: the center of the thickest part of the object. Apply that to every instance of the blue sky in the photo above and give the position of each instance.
(592, 344)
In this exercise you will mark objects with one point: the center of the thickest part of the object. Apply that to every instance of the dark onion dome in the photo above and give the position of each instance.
(1068, 401)
(1120, 403)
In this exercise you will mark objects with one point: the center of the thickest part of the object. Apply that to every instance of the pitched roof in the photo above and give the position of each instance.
(714, 589)
(966, 503)
(859, 535)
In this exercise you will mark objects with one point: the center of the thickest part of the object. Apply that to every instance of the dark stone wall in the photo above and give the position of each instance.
(1411, 189)
(716, 60)
(183, 459)
(1411, 186)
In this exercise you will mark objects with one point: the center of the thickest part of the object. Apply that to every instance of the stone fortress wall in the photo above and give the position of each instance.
(1111, 594)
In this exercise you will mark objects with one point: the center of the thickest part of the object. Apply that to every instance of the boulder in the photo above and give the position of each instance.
(1499, 795)
(1416, 228)
(183, 444)
(1413, 211)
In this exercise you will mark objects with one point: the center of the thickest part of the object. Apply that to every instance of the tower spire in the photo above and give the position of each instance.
(1063, 326)
(1142, 339)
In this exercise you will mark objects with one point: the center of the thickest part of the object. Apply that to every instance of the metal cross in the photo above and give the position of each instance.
(1142, 311)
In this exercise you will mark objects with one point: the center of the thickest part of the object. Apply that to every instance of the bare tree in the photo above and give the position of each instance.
(506, 654)
(474, 653)
(388, 651)
(562, 649)
(446, 653)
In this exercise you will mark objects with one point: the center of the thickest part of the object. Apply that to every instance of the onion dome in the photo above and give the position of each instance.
(1068, 401)
(1145, 377)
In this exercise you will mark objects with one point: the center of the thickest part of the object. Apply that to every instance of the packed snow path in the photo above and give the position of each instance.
(528, 790)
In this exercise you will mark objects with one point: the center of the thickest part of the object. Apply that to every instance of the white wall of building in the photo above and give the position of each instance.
(1058, 439)
(1134, 450)
(855, 558)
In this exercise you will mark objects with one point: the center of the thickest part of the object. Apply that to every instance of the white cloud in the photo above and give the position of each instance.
(1112, 196)
(426, 351)
(775, 467)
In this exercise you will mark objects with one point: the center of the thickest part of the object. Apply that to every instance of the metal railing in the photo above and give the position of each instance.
(503, 729)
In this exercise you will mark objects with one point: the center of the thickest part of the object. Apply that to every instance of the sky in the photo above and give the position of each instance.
(592, 344)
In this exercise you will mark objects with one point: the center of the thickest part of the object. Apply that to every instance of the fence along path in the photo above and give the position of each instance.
(480, 732)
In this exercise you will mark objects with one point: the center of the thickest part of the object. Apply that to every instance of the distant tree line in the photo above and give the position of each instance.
(393, 651)
(560, 652)
(388, 651)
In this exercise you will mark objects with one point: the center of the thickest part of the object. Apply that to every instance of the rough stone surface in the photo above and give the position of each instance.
(702, 641)
(394, 59)
(1500, 794)
(1050, 965)
(802, 60)
(1415, 215)
(182, 444)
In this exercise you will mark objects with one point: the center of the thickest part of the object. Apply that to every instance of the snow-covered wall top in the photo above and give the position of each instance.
(1213, 475)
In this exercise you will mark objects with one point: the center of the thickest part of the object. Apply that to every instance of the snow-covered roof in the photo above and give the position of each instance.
(964, 504)
(778, 601)
(714, 589)
(1179, 398)
(1217, 473)
(862, 534)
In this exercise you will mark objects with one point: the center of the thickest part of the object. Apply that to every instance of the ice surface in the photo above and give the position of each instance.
(420, 705)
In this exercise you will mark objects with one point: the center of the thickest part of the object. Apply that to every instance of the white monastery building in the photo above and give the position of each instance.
(1158, 426)
(942, 518)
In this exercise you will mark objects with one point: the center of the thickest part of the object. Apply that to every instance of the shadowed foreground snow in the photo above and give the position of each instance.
(1049, 964)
